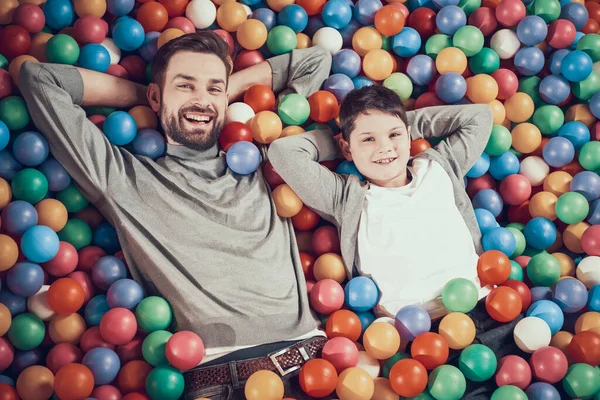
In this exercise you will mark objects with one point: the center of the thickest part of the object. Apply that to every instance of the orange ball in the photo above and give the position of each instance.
(73, 382)
(408, 377)
(430, 349)
(266, 127)
(174, 8)
(567, 265)
(572, 236)
(52, 213)
(306, 220)
(343, 323)
(277, 5)
(381, 340)
(6, 319)
(493, 267)
(9, 251)
(144, 117)
(458, 330)
(418, 146)
(260, 97)
(543, 204)
(503, 304)
(378, 64)
(323, 106)
(65, 296)
(66, 328)
(35, 382)
(38, 46)
(589, 321)
(5, 193)
(519, 107)
(167, 35)
(561, 340)
(558, 183)
(581, 113)
(366, 39)
(318, 378)
(132, 376)
(585, 348)
(264, 385)
(230, 15)
(97, 8)
(329, 266)
(312, 7)
(451, 59)
(251, 34)
(498, 111)
(152, 16)
(383, 390)
(526, 137)
(389, 20)
(286, 201)
(7, 8)
(482, 89)
(292, 130)
(15, 66)
(303, 41)
(355, 384)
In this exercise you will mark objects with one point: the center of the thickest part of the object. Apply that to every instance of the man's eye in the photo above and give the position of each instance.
(184, 86)
(215, 90)
(368, 139)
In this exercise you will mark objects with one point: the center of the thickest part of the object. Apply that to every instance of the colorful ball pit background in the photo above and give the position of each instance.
(73, 323)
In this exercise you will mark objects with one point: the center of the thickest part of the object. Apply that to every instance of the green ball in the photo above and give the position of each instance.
(446, 382)
(572, 208)
(281, 39)
(26, 331)
(517, 225)
(386, 42)
(62, 49)
(585, 89)
(520, 239)
(531, 86)
(421, 396)
(72, 199)
(469, 39)
(516, 272)
(477, 362)
(46, 29)
(543, 270)
(460, 295)
(582, 381)
(76, 232)
(149, 72)
(293, 109)
(437, 43)
(164, 383)
(106, 111)
(508, 392)
(399, 83)
(3, 62)
(153, 314)
(589, 156)
(29, 185)
(590, 44)
(548, 119)
(548, 10)
(14, 113)
(153, 348)
(389, 363)
(487, 61)
(530, 252)
(469, 6)
(499, 142)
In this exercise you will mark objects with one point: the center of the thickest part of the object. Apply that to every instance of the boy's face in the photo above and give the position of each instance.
(379, 146)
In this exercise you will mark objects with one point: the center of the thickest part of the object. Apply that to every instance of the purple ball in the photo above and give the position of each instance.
(18, 216)
(540, 293)
(346, 62)
(338, 84)
(125, 293)
(30, 149)
(570, 294)
(57, 176)
(25, 279)
(421, 69)
(411, 321)
(586, 183)
(542, 391)
(108, 270)
(150, 46)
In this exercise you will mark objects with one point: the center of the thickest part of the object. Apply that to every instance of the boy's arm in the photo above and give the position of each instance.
(296, 159)
(466, 127)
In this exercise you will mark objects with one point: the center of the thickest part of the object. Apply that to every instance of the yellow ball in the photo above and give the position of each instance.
(567, 265)
(5, 319)
(292, 130)
(561, 340)
(35, 382)
(355, 384)
(38, 46)
(558, 183)
(264, 385)
(572, 236)
(329, 266)
(10, 253)
(15, 66)
(5, 193)
(252, 34)
(97, 8)
(303, 41)
(277, 5)
(266, 126)
(66, 328)
(482, 89)
(286, 201)
(230, 15)
(167, 35)
(543, 204)
(458, 329)
(52, 213)
(381, 340)
(366, 39)
(378, 64)
(451, 59)
(526, 137)
(589, 321)
(498, 111)
(519, 107)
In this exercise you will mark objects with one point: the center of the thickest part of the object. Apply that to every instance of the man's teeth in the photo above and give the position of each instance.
(198, 118)
(386, 161)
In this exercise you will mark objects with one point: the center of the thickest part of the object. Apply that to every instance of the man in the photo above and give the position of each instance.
(208, 240)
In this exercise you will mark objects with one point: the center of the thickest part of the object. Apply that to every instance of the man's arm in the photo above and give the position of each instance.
(466, 127)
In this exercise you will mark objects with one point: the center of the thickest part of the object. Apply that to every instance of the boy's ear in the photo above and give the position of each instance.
(345, 147)
(153, 95)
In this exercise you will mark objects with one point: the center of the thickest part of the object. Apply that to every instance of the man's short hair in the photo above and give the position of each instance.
(369, 98)
(206, 42)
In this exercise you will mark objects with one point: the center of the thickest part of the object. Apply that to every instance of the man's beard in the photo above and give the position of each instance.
(197, 139)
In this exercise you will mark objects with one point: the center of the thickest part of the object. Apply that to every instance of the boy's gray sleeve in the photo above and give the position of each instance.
(296, 159)
(466, 127)
(52, 93)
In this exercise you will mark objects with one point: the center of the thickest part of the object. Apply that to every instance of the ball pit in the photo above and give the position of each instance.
(534, 62)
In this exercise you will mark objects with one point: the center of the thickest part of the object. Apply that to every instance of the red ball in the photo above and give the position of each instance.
(515, 189)
(8, 392)
(6, 84)
(135, 396)
(73, 381)
(260, 98)
(135, 67)
(341, 352)
(590, 240)
(326, 296)
(174, 8)
(513, 370)
(84, 280)
(585, 348)
(30, 17)
(428, 99)
(271, 176)
(523, 290)
(561, 34)
(184, 350)
(14, 42)
(503, 304)
(507, 81)
(97, 120)
(132, 376)
(485, 181)
(89, 255)
(181, 23)
(323, 106)
(318, 378)
(430, 349)
(118, 71)
(64, 262)
(234, 132)
(7, 354)
(90, 29)
(510, 12)
(65, 296)
(92, 338)
(591, 26)
(61, 355)
(247, 58)
(132, 350)
(549, 364)
(423, 21)
(152, 16)
(484, 19)
(118, 326)
(519, 213)
(308, 262)
(326, 240)
(408, 377)
(226, 36)
(106, 392)
(306, 219)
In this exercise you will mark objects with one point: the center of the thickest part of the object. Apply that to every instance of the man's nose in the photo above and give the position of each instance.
(201, 98)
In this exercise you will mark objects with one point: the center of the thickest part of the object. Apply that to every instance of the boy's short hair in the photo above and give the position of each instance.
(360, 101)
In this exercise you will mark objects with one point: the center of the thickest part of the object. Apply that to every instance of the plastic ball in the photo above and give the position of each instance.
(125, 293)
(548, 364)
(570, 294)
(343, 323)
(103, 363)
(581, 381)
(576, 66)
(243, 157)
(450, 18)
(108, 270)
(506, 43)
(30, 149)
(586, 183)
(542, 391)
(513, 370)
(406, 43)
(341, 352)
(25, 279)
(548, 311)
(572, 208)
(389, 20)
(35, 382)
(120, 128)
(95, 309)
(408, 377)
(503, 304)
(531, 334)
(477, 362)
(535, 169)
(26, 332)
(355, 383)
(458, 330)
(327, 296)
(381, 340)
(447, 381)
(500, 239)
(318, 378)
(450, 87)
(554, 89)
(532, 30)
(263, 385)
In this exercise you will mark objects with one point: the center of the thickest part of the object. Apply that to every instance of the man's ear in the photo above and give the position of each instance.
(153, 95)
(345, 147)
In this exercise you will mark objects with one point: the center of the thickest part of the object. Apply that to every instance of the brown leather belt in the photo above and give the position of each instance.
(284, 361)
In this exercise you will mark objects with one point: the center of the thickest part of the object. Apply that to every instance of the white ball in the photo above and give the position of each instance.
(385, 319)
(202, 13)
(532, 333)
(535, 169)
(588, 271)
(38, 304)
(329, 39)
(113, 50)
(369, 364)
(506, 43)
(248, 10)
(240, 112)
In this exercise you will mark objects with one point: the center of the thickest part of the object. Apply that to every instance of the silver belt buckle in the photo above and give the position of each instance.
(284, 372)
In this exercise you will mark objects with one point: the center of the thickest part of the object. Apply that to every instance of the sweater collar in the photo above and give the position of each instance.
(188, 154)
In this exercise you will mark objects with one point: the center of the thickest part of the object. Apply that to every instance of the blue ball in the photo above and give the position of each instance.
(25, 279)
(485, 220)
(4, 135)
(149, 143)
(252, 3)
(59, 14)
(40, 244)
(529, 61)
(128, 34)
(294, 17)
(266, 16)
(314, 24)
(24, 359)
(119, 8)
(362, 81)
(481, 166)
(406, 43)
(105, 237)
(586, 183)
(556, 60)
(243, 158)
(542, 391)
(6, 379)
(576, 66)
(593, 303)
(490, 200)
(532, 30)
(95, 310)
(504, 165)
(570, 294)
(337, 14)
(95, 57)
(149, 48)
(348, 168)
(578, 35)
(120, 128)
(576, 13)
(540, 233)
(421, 69)
(347, 62)
(361, 294)
(558, 152)
(593, 217)
(548, 311)
(414, 4)
(30, 148)
(15, 304)
(500, 239)
(365, 10)
(595, 105)
(125, 293)
(8, 165)
(57, 176)
(348, 32)
(19, 216)
(450, 87)
(411, 321)
(366, 318)
(540, 293)
(450, 18)
(338, 84)
(104, 364)
(107, 270)
(554, 89)
(577, 133)
(443, 3)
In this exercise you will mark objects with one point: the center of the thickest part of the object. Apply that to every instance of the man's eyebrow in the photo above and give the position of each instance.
(184, 76)
(215, 81)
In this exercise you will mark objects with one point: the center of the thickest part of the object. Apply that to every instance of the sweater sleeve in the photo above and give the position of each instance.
(466, 127)
(296, 159)
(53, 93)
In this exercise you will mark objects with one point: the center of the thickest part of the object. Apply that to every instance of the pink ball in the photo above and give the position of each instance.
(181, 23)
(97, 120)
(184, 350)
(226, 36)
(90, 29)
(561, 34)
(341, 352)
(549, 364)
(92, 338)
(30, 17)
(61, 355)
(485, 181)
(326, 296)
(247, 58)
(310, 285)
(118, 71)
(507, 81)
(483, 18)
(106, 392)
(522, 261)
(132, 350)
(590, 240)
(84, 279)
(118, 326)
(326, 240)
(90, 254)
(64, 262)
(515, 189)
(7, 354)
(510, 12)
(513, 370)
(6, 84)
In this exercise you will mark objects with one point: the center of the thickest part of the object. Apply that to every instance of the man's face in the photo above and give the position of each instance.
(379, 146)
(192, 99)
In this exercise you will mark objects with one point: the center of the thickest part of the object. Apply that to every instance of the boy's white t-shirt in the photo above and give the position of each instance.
(412, 240)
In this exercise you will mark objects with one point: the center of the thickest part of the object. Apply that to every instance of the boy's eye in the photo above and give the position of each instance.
(396, 134)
